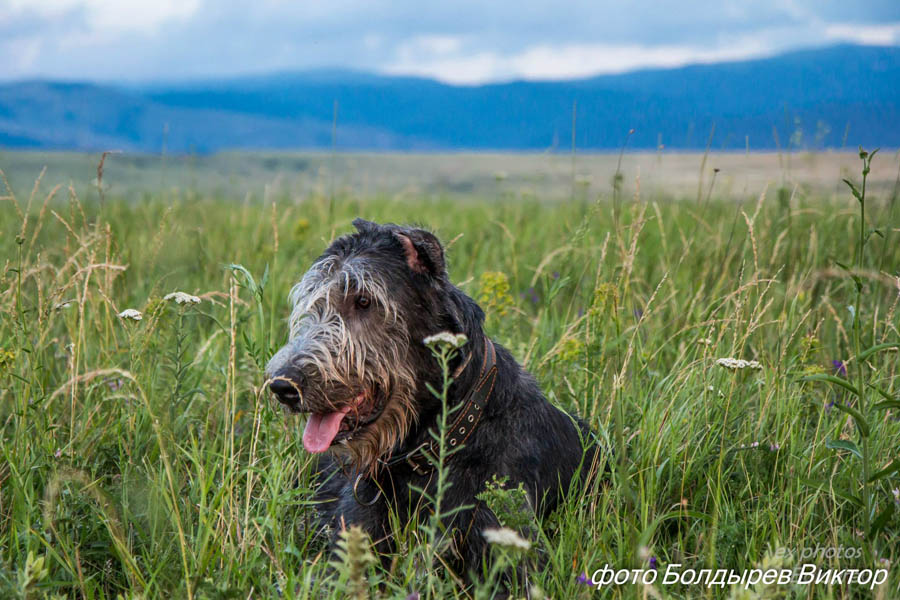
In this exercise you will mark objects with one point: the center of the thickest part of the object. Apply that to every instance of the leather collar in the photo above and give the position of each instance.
(465, 418)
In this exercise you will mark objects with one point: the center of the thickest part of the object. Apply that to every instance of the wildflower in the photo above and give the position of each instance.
(754, 445)
(493, 293)
(555, 274)
(839, 367)
(130, 313)
(413, 596)
(654, 564)
(885, 562)
(606, 297)
(533, 296)
(775, 447)
(571, 349)
(445, 338)
(829, 406)
(6, 358)
(738, 363)
(301, 227)
(58, 453)
(505, 536)
(583, 579)
(896, 492)
(182, 298)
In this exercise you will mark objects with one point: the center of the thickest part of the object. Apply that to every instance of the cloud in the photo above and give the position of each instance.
(460, 65)
(464, 41)
(567, 61)
(99, 16)
(886, 34)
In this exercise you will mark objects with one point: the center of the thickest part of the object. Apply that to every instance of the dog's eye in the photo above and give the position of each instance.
(363, 302)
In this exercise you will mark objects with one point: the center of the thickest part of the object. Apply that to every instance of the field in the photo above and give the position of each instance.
(142, 459)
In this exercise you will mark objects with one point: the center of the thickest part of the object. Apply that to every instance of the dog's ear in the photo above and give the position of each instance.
(363, 226)
(424, 253)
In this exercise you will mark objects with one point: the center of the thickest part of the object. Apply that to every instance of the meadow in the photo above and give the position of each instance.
(144, 459)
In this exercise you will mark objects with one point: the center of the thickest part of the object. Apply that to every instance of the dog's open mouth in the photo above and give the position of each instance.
(323, 430)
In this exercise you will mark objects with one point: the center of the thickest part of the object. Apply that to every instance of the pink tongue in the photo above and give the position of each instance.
(321, 429)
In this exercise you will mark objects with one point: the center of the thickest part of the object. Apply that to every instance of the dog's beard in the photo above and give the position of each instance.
(377, 439)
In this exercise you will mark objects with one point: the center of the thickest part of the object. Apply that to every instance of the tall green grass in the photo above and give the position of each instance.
(143, 459)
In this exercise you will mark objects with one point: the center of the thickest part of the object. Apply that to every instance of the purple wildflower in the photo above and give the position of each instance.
(829, 406)
(413, 596)
(555, 274)
(775, 447)
(583, 579)
(638, 314)
(653, 563)
(839, 367)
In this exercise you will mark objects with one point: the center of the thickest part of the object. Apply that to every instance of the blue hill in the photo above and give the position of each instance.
(811, 99)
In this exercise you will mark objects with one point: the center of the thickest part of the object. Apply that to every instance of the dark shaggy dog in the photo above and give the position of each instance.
(356, 362)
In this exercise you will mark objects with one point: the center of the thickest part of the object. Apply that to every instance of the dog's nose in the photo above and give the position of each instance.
(286, 391)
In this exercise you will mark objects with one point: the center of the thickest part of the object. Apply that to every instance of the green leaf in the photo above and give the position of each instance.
(877, 348)
(893, 468)
(881, 392)
(264, 280)
(886, 405)
(648, 533)
(860, 420)
(853, 189)
(823, 485)
(856, 279)
(843, 445)
(841, 265)
(883, 518)
(833, 379)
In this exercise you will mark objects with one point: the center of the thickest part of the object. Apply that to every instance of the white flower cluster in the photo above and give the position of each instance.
(505, 536)
(738, 363)
(182, 298)
(445, 338)
(130, 313)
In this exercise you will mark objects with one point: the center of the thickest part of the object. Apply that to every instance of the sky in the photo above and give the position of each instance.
(464, 41)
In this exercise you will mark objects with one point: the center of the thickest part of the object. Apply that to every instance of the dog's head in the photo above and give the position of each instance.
(355, 361)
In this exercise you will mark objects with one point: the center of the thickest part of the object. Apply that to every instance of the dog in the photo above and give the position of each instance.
(357, 364)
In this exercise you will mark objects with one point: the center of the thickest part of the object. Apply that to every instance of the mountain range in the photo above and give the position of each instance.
(827, 97)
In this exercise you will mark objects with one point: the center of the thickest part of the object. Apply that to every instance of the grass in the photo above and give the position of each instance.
(141, 459)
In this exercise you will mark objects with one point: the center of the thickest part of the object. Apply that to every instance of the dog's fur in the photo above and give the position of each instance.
(343, 354)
